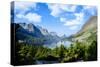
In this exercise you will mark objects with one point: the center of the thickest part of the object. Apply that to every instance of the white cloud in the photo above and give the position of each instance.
(73, 27)
(76, 21)
(57, 9)
(79, 16)
(63, 19)
(33, 17)
(90, 9)
(22, 7)
(30, 17)
(69, 8)
(20, 16)
(73, 24)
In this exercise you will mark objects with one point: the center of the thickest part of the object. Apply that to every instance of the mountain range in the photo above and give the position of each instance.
(36, 35)
(32, 34)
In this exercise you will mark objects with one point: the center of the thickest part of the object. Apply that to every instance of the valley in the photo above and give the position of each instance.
(36, 45)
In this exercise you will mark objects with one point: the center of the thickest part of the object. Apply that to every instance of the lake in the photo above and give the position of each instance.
(54, 44)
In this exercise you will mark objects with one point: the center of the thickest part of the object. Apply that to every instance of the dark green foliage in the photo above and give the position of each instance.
(24, 54)
(92, 52)
(62, 52)
(91, 49)
(78, 51)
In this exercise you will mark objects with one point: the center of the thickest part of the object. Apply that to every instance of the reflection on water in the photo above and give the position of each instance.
(53, 45)
(50, 62)
(45, 62)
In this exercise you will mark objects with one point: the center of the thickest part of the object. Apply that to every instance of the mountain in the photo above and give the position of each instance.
(50, 37)
(91, 24)
(31, 34)
(43, 31)
(31, 29)
(64, 36)
(89, 29)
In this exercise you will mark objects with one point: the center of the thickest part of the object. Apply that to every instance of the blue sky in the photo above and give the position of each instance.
(59, 18)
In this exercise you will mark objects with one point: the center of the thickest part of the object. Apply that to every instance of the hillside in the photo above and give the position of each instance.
(91, 24)
(88, 29)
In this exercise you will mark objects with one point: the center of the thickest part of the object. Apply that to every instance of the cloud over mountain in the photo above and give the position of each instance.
(21, 12)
